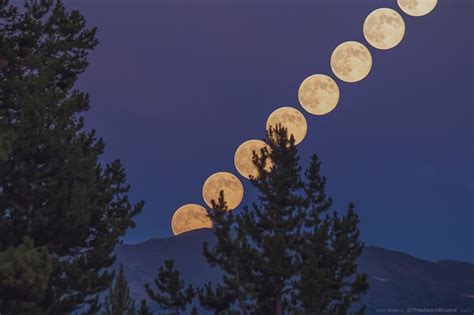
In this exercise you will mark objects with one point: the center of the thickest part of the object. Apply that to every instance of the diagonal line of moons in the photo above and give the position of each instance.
(414, 8)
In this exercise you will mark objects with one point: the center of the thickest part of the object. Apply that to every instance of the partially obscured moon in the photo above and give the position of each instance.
(318, 94)
(223, 181)
(243, 158)
(190, 217)
(291, 119)
(417, 7)
(351, 61)
(384, 28)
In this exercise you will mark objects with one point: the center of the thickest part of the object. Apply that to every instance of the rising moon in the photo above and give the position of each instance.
(351, 61)
(417, 7)
(244, 155)
(291, 119)
(318, 94)
(223, 181)
(190, 217)
(384, 28)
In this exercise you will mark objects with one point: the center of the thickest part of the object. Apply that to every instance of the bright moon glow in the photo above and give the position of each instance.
(351, 61)
(190, 217)
(291, 119)
(417, 7)
(243, 158)
(223, 181)
(384, 28)
(318, 94)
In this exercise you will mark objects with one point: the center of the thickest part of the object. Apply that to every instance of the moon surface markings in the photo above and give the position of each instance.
(318, 94)
(417, 7)
(223, 181)
(289, 118)
(243, 158)
(190, 217)
(351, 61)
(384, 28)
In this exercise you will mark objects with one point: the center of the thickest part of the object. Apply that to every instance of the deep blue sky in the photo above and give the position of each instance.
(176, 86)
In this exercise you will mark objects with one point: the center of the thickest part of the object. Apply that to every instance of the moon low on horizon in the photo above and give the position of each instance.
(291, 119)
(190, 217)
(417, 7)
(244, 155)
(384, 28)
(226, 182)
(351, 61)
(318, 94)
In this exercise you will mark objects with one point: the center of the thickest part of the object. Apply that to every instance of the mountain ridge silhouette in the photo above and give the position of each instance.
(398, 281)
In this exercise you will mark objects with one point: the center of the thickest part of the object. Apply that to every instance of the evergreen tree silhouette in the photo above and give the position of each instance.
(53, 189)
(328, 282)
(119, 301)
(289, 251)
(144, 309)
(230, 253)
(172, 293)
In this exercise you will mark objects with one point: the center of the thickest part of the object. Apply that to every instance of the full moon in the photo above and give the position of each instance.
(243, 158)
(351, 61)
(223, 181)
(318, 94)
(384, 28)
(291, 119)
(417, 7)
(190, 217)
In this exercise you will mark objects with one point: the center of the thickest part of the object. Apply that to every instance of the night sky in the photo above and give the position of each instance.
(176, 86)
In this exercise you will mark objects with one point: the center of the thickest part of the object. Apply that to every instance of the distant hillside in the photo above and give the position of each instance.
(397, 280)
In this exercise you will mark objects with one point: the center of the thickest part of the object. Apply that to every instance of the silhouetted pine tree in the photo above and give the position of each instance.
(231, 254)
(285, 252)
(328, 282)
(144, 309)
(118, 301)
(215, 299)
(53, 189)
(172, 293)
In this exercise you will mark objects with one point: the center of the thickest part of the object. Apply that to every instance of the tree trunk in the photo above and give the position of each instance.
(28, 219)
(243, 307)
(277, 304)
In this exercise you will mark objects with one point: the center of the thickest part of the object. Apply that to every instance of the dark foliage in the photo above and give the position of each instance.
(24, 276)
(144, 309)
(172, 293)
(118, 301)
(53, 189)
(231, 254)
(289, 252)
